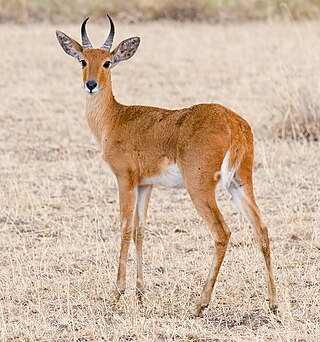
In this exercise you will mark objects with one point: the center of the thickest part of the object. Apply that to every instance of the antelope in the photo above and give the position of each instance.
(193, 148)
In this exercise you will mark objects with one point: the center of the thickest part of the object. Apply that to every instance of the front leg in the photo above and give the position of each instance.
(144, 193)
(128, 201)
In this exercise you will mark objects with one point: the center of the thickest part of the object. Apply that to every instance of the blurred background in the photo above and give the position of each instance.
(145, 10)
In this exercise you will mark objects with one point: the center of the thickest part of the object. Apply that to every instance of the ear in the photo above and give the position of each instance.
(69, 45)
(125, 50)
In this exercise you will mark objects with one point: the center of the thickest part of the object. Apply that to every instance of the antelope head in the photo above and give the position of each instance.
(96, 63)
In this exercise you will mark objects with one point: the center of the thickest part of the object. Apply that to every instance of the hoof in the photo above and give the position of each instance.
(115, 297)
(274, 309)
(140, 294)
(198, 312)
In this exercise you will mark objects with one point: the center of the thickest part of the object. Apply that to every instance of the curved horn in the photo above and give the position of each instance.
(108, 43)
(85, 40)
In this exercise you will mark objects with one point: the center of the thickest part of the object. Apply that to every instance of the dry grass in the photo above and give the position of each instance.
(59, 235)
(301, 120)
(136, 10)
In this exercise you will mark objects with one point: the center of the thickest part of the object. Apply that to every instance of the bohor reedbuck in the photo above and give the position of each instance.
(192, 148)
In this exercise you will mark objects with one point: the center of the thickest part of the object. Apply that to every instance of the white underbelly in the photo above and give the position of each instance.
(169, 178)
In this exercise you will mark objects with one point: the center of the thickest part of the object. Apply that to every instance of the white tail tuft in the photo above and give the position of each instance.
(228, 171)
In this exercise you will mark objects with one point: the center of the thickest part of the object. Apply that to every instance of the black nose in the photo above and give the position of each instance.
(91, 85)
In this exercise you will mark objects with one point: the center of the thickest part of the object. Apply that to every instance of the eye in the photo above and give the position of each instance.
(83, 63)
(106, 64)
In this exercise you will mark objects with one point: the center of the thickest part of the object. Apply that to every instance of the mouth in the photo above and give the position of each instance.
(91, 91)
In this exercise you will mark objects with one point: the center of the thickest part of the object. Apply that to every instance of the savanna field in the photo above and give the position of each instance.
(59, 226)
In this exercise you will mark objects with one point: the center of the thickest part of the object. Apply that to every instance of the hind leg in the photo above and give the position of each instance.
(205, 203)
(243, 196)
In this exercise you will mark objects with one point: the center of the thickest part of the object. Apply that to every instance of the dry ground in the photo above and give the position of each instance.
(59, 233)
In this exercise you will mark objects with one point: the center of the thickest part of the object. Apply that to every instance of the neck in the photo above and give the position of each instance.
(100, 110)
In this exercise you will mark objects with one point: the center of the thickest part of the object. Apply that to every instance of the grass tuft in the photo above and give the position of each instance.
(301, 119)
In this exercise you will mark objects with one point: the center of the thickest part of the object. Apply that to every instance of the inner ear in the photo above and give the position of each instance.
(125, 50)
(70, 46)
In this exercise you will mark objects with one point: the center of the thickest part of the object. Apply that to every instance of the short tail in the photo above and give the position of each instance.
(232, 160)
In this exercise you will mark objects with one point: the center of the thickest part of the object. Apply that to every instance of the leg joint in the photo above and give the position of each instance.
(138, 237)
(223, 238)
(126, 236)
